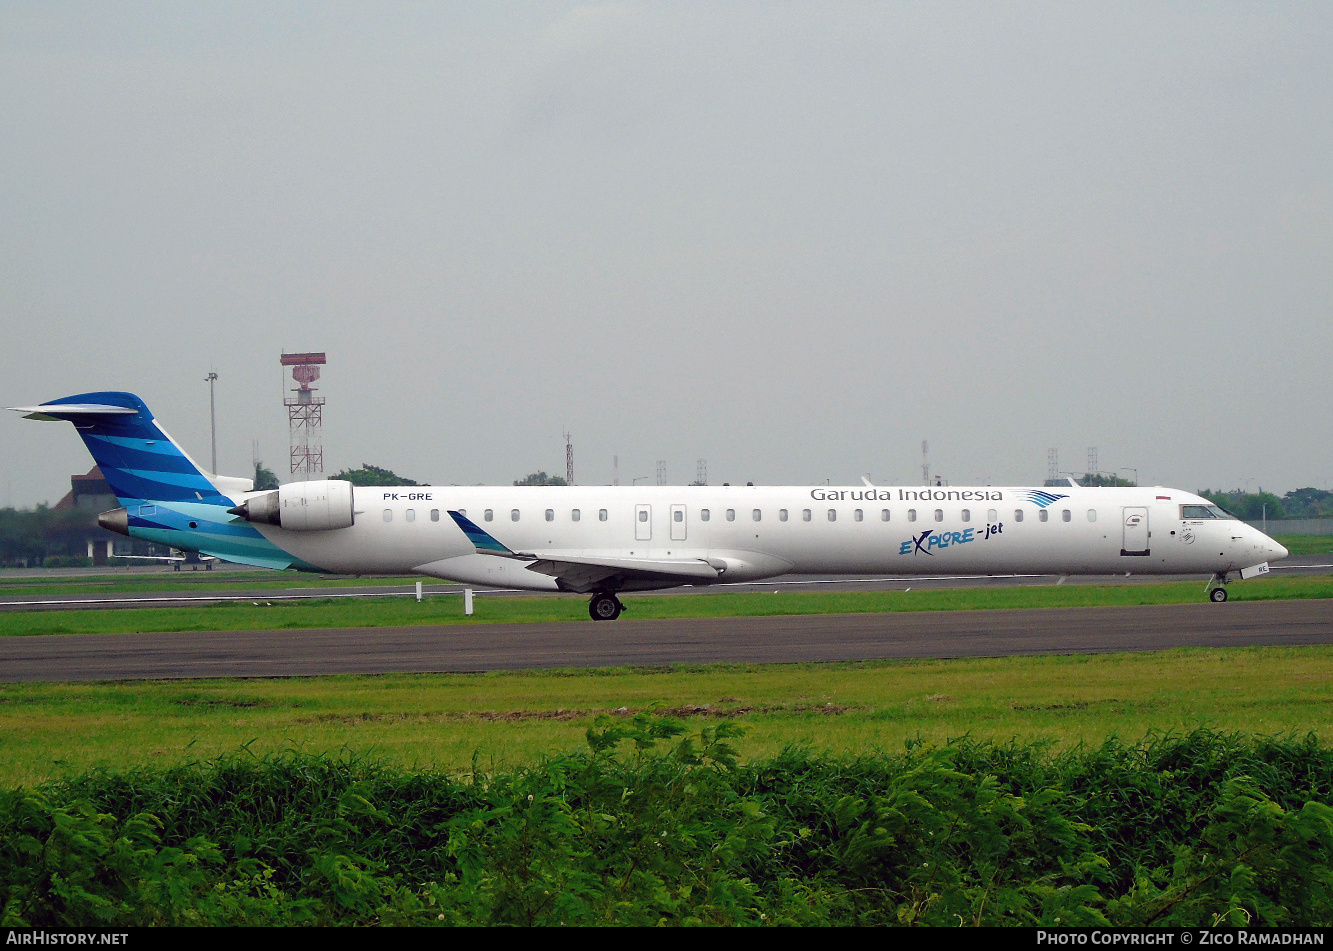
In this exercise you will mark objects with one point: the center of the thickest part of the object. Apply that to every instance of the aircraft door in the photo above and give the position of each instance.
(677, 523)
(1136, 531)
(643, 523)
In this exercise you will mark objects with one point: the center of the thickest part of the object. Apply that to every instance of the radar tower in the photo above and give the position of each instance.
(305, 413)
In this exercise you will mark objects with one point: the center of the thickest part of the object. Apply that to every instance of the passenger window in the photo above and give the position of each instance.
(883, 515)
(858, 516)
(1043, 515)
(805, 515)
(388, 515)
(757, 515)
(992, 515)
(1018, 515)
(967, 515)
(1092, 515)
(435, 515)
(704, 515)
(550, 515)
(1064, 516)
(678, 515)
(731, 515)
(911, 515)
(832, 515)
(939, 515)
(575, 515)
(601, 515)
(782, 515)
(513, 515)
(411, 515)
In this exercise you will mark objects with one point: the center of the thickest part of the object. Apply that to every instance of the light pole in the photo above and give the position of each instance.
(1130, 469)
(212, 418)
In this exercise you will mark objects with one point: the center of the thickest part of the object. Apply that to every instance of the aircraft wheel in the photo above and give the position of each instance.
(1218, 595)
(604, 607)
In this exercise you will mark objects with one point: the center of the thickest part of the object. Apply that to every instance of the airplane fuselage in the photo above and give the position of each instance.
(755, 532)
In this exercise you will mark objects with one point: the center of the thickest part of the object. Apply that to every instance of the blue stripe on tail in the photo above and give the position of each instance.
(167, 497)
(137, 459)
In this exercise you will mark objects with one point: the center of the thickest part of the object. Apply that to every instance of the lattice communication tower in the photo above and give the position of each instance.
(305, 413)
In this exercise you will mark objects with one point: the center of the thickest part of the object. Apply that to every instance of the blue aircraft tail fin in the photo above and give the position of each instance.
(137, 458)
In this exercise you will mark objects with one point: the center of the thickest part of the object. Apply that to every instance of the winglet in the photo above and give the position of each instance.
(483, 542)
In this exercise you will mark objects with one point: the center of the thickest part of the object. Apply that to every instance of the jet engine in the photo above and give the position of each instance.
(301, 506)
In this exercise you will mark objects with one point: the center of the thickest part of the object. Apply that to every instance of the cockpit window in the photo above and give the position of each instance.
(1203, 511)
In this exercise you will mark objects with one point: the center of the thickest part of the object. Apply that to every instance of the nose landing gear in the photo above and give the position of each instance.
(1216, 589)
(605, 607)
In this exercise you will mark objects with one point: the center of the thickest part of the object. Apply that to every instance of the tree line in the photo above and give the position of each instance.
(1252, 506)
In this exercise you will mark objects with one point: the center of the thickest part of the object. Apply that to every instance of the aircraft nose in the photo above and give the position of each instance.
(1279, 552)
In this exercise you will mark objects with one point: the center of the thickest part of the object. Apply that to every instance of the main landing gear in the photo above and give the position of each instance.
(605, 607)
(1216, 590)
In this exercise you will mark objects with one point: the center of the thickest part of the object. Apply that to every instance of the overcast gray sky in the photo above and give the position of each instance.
(792, 239)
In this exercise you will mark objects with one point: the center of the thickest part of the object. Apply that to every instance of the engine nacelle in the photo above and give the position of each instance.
(302, 506)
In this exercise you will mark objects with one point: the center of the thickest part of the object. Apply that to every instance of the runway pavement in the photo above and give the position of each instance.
(479, 647)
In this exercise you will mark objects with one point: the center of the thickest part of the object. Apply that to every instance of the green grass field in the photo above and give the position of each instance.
(510, 718)
(821, 723)
(447, 609)
(189, 582)
(1306, 544)
(506, 719)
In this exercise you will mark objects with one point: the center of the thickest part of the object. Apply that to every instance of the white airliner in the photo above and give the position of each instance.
(176, 559)
(602, 540)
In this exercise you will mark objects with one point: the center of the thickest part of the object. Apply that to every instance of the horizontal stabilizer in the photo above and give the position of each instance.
(65, 411)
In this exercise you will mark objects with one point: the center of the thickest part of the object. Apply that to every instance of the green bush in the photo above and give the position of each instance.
(651, 825)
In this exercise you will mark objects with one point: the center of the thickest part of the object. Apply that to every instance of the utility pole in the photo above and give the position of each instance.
(212, 418)
(569, 459)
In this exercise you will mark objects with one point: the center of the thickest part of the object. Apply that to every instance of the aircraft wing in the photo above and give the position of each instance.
(583, 574)
(586, 574)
